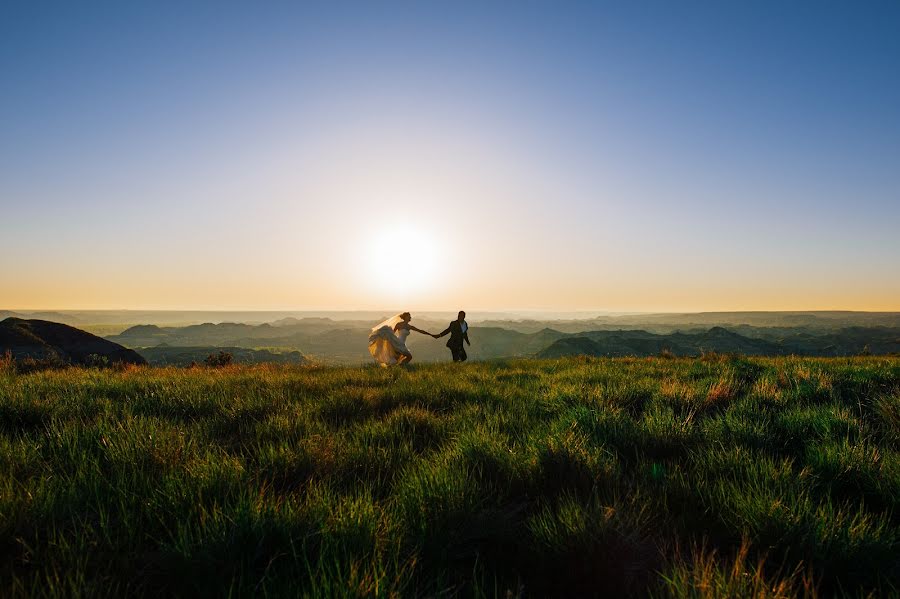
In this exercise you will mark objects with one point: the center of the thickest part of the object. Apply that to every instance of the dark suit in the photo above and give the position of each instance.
(455, 343)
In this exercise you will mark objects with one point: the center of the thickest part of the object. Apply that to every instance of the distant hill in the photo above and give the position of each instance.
(44, 340)
(340, 341)
(196, 335)
(291, 321)
(642, 343)
(526, 322)
(167, 355)
(843, 342)
(813, 321)
(69, 319)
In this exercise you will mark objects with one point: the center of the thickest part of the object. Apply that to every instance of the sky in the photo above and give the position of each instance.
(645, 156)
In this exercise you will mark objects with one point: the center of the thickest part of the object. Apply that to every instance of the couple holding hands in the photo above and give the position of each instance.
(387, 341)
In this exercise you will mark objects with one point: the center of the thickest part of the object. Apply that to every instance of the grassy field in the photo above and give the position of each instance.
(662, 477)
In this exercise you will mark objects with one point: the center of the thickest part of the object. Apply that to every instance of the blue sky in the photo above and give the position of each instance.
(659, 156)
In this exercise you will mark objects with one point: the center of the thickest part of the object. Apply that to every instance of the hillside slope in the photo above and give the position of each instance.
(42, 340)
(748, 341)
(642, 343)
(165, 355)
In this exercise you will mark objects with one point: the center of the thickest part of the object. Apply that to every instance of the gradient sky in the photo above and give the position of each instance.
(510, 155)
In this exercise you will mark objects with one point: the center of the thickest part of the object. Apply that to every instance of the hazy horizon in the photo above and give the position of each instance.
(471, 313)
(578, 158)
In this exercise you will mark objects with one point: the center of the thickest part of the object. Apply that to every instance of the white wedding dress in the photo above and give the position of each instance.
(385, 345)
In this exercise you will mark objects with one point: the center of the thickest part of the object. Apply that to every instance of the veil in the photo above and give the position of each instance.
(384, 345)
(390, 323)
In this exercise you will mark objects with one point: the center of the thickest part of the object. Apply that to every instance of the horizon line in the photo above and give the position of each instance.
(599, 312)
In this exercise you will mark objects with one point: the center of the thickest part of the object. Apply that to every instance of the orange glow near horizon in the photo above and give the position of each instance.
(436, 291)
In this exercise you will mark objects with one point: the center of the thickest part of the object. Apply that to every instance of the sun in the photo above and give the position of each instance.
(402, 259)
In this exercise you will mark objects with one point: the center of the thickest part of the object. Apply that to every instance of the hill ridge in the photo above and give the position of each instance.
(45, 340)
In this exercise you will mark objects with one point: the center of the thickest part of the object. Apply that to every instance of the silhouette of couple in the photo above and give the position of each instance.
(387, 341)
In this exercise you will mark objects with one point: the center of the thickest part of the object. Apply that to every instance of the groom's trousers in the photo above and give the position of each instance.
(459, 354)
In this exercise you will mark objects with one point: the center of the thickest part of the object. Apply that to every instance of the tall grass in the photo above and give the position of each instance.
(711, 477)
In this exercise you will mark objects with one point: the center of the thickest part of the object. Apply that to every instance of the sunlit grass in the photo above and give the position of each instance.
(667, 477)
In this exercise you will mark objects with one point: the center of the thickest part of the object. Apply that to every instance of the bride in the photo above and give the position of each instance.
(387, 341)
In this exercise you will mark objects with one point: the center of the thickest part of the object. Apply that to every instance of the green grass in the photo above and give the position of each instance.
(705, 477)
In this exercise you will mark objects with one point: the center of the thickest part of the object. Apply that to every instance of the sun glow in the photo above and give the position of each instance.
(402, 259)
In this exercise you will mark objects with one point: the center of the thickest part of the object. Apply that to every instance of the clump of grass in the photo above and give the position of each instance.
(704, 574)
(887, 412)
(7, 364)
(766, 388)
(585, 545)
(858, 470)
(723, 390)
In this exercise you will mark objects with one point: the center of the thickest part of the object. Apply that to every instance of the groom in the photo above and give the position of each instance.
(459, 331)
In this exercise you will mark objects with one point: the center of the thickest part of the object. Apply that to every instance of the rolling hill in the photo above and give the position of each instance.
(641, 343)
(45, 340)
(345, 341)
(167, 355)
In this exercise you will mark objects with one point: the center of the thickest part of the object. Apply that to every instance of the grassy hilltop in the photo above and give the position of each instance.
(668, 477)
